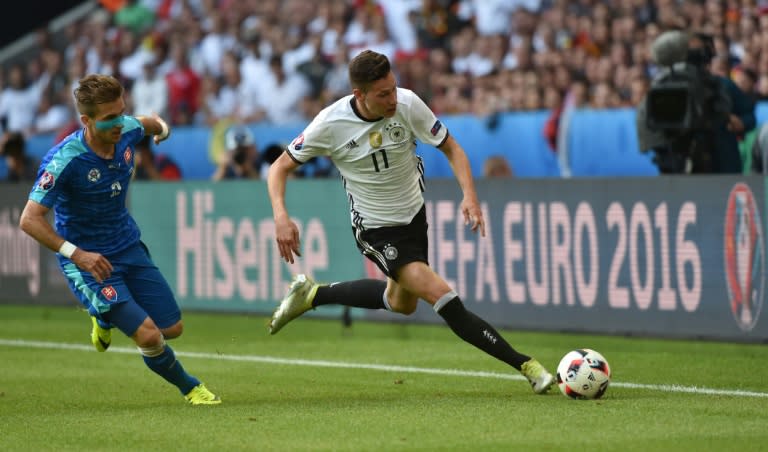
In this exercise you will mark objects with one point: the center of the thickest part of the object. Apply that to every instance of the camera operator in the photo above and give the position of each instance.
(690, 118)
(241, 160)
(21, 166)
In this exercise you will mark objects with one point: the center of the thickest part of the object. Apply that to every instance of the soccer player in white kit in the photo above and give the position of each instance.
(371, 138)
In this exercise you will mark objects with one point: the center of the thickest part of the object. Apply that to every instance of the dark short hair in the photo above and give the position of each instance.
(145, 144)
(14, 145)
(367, 67)
(272, 152)
(96, 89)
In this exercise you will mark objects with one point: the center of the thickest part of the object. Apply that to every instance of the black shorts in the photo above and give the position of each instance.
(391, 247)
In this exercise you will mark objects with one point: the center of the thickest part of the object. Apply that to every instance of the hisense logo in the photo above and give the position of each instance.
(221, 256)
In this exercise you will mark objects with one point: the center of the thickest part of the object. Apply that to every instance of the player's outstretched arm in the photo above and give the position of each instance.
(155, 125)
(470, 206)
(286, 231)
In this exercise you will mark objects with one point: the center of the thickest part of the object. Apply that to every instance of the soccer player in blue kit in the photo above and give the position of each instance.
(85, 179)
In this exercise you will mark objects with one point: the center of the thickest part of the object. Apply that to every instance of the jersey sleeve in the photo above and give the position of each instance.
(133, 128)
(427, 128)
(52, 176)
(314, 141)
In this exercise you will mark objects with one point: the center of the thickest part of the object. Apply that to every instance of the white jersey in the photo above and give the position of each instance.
(383, 176)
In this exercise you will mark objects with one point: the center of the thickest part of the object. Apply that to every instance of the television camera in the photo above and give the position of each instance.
(684, 104)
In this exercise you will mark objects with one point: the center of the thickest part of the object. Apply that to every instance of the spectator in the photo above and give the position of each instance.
(18, 102)
(491, 16)
(745, 79)
(268, 157)
(21, 166)
(135, 17)
(183, 87)
(127, 60)
(215, 44)
(149, 92)
(282, 94)
(53, 113)
(556, 128)
(241, 158)
(497, 167)
(56, 76)
(151, 166)
(397, 14)
(336, 82)
(316, 69)
(215, 101)
(227, 101)
(436, 23)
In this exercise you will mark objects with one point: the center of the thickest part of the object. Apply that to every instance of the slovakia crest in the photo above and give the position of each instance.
(46, 181)
(109, 293)
(744, 256)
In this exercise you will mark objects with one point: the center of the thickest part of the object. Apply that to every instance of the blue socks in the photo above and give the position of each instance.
(166, 365)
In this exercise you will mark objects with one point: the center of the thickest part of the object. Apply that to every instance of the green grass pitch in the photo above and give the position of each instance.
(372, 387)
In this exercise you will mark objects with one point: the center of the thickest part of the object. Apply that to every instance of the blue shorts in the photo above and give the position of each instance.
(135, 289)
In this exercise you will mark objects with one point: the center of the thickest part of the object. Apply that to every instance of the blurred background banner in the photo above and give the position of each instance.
(29, 274)
(215, 242)
(676, 257)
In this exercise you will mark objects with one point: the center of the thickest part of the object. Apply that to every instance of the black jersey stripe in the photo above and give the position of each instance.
(420, 167)
(357, 219)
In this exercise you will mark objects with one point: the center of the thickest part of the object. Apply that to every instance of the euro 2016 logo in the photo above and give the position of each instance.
(46, 181)
(744, 256)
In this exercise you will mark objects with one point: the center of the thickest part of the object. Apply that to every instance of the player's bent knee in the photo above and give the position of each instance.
(148, 337)
(174, 331)
(403, 308)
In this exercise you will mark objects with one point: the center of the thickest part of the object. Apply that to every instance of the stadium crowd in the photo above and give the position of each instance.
(201, 62)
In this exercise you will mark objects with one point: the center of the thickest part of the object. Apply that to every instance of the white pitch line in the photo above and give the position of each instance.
(380, 367)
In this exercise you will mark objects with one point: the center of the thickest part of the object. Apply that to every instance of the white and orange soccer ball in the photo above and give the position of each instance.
(583, 374)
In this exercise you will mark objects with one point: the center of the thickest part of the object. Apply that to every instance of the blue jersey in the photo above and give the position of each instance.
(88, 192)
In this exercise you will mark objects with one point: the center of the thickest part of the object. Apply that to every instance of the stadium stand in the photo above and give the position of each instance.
(494, 70)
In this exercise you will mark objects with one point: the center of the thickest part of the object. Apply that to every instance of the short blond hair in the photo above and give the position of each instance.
(96, 89)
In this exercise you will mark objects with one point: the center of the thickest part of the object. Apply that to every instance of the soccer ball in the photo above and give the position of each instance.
(583, 374)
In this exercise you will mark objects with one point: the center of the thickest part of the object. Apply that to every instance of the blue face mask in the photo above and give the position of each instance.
(106, 125)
